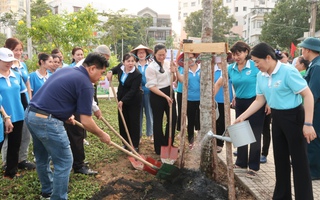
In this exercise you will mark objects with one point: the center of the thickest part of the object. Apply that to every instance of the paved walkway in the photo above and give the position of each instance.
(263, 185)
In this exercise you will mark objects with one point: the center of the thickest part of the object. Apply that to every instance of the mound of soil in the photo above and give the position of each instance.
(189, 185)
(119, 180)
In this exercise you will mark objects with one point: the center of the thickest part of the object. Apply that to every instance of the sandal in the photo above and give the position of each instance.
(251, 173)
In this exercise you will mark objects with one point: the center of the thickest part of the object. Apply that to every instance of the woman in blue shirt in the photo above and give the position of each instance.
(143, 56)
(16, 46)
(193, 104)
(40, 76)
(282, 86)
(77, 55)
(243, 75)
(11, 85)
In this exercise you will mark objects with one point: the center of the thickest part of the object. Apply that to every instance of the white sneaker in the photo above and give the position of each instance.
(85, 142)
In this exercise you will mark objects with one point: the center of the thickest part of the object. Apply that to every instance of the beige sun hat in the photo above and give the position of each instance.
(134, 51)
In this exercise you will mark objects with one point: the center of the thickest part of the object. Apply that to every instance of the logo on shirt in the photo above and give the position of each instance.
(277, 84)
(248, 72)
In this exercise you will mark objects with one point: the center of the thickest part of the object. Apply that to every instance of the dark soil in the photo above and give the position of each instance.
(119, 180)
(189, 185)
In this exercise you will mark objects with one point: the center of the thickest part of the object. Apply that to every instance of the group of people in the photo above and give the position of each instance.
(25, 108)
(263, 86)
(15, 91)
(262, 82)
(48, 101)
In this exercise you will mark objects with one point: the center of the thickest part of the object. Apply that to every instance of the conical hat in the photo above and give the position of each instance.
(141, 47)
(181, 59)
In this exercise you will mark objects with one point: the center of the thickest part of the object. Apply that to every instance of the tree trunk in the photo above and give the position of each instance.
(207, 164)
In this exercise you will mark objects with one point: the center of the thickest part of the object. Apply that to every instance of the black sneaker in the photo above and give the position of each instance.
(86, 171)
(45, 195)
(26, 165)
(13, 177)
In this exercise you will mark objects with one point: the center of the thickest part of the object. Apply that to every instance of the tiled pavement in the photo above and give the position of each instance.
(263, 185)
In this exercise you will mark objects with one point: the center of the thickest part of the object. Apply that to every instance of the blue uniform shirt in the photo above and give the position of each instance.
(219, 96)
(244, 81)
(142, 70)
(1, 123)
(10, 89)
(281, 89)
(23, 71)
(67, 91)
(37, 80)
(180, 85)
(194, 85)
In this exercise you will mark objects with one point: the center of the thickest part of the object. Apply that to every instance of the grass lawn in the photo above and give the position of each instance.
(81, 186)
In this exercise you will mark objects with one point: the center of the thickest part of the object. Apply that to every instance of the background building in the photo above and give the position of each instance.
(252, 25)
(244, 11)
(161, 27)
(16, 7)
(185, 8)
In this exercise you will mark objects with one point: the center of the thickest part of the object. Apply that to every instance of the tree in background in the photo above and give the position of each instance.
(131, 30)
(8, 20)
(63, 31)
(2, 39)
(83, 28)
(222, 23)
(286, 23)
(169, 42)
(39, 8)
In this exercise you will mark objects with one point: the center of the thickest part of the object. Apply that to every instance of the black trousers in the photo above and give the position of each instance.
(131, 115)
(250, 158)
(76, 136)
(160, 106)
(193, 114)
(220, 124)
(179, 102)
(266, 137)
(288, 139)
(95, 96)
(14, 141)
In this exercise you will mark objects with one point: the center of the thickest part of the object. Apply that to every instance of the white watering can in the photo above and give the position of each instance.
(241, 134)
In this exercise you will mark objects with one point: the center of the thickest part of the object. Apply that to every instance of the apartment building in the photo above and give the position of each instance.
(161, 27)
(239, 9)
(252, 24)
(185, 7)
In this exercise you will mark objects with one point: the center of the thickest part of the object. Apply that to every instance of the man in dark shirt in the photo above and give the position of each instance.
(68, 91)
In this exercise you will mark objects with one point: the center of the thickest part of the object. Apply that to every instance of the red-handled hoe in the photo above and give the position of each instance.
(162, 171)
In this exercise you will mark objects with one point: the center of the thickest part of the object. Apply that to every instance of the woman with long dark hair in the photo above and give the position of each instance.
(158, 81)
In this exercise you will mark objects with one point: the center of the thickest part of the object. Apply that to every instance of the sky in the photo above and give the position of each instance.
(160, 6)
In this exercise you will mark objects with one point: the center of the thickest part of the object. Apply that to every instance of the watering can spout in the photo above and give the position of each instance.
(212, 135)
